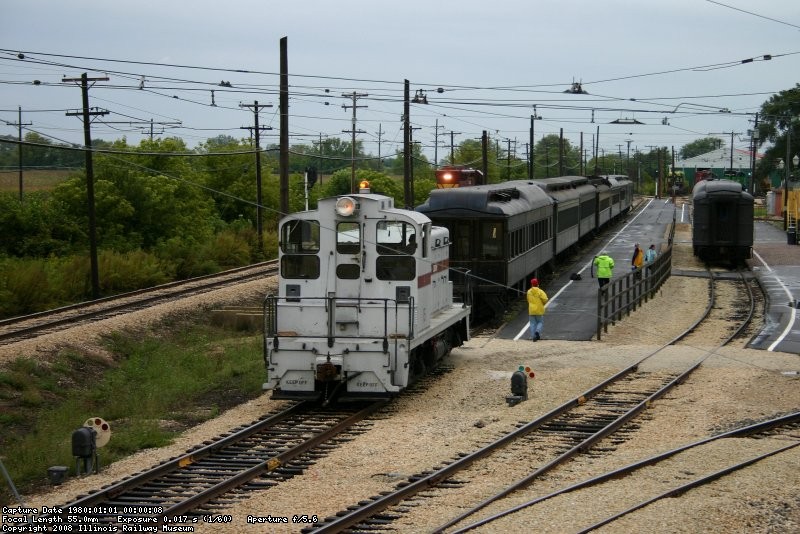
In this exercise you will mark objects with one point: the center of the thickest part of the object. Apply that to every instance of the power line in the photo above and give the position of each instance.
(754, 14)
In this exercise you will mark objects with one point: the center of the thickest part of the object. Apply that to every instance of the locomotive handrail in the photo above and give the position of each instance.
(271, 317)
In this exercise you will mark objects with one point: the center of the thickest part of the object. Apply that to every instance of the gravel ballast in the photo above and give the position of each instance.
(466, 408)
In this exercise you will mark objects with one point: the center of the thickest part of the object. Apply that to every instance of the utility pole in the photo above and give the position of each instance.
(255, 107)
(149, 123)
(353, 131)
(162, 124)
(786, 176)
(380, 136)
(436, 144)
(596, 147)
(731, 134)
(546, 158)
(452, 146)
(654, 147)
(19, 124)
(531, 151)
(411, 181)
(409, 200)
(283, 106)
(628, 156)
(581, 166)
(485, 157)
(508, 159)
(754, 145)
(532, 141)
(87, 141)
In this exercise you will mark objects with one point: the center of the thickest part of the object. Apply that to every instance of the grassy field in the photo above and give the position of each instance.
(149, 386)
(37, 180)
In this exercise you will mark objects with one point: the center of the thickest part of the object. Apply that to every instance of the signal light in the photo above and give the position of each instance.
(311, 176)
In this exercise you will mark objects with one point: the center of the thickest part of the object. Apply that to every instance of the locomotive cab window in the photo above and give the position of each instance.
(300, 245)
(396, 237)
(348, 238)
(397, 242)
(300, 266)
(300, 237)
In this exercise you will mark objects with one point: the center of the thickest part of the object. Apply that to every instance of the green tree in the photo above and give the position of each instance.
(546, 157)
(778, 126)
(143, 198)
(231, 178)
(698, 147)
(36, 227)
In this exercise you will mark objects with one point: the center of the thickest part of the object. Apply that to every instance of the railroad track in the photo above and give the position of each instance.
(592, 423)
(186, 490)
(27, 326)
(732, 300)
(776, 435)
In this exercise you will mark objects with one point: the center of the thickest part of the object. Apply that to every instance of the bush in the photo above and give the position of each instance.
(24, 287)
(185, 258)
(129, 271)
(228, 249)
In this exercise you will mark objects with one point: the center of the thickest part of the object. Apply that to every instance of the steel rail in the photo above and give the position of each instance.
(579, 448)
(616, 424)
(628, 416)
(130, 294)
(353, 517)
(114, 490)
(133, 485)
(690, 485)
(792, 418)
(706, 313)
(271, 464)
(751, 312)
(157, 293)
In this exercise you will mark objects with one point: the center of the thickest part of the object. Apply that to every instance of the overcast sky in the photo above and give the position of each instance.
(672, 65)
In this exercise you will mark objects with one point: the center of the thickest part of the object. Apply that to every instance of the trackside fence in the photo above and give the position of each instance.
(623, 295)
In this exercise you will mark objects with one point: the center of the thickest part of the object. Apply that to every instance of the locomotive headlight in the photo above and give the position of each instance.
(448, 176)
(346, 206)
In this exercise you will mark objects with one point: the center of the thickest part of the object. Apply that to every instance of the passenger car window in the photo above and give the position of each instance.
(492, 240)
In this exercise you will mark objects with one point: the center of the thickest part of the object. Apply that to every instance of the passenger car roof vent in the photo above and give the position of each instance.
(504, 195)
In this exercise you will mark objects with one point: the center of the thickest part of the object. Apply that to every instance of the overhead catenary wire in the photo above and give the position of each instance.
(480, 109)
